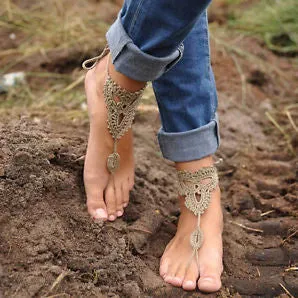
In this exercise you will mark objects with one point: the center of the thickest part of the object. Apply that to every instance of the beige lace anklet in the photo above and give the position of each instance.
(191, 185)
(121, 106)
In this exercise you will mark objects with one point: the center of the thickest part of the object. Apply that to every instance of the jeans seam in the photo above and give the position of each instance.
(214, 106)
(209, 67)
(134, 20)
(207, 44)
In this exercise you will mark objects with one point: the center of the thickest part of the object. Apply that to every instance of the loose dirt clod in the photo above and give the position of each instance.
(148, 224)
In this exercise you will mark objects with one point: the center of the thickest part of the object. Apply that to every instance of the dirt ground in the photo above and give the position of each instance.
(49, 247)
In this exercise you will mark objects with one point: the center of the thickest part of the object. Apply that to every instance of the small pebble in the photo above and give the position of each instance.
(255, 215)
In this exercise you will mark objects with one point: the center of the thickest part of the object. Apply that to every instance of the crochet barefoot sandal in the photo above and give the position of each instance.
(197, 188)
(121, 106)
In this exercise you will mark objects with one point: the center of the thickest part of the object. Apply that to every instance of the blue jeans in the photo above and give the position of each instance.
(167, 42)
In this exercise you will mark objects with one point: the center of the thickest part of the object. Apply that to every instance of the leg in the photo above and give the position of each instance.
(143, 45)
(187, 102)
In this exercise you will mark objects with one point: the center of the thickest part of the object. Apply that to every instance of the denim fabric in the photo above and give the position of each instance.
(132, 62)
(190, 145)
(167, 42)
(187, 100)
(145, 40)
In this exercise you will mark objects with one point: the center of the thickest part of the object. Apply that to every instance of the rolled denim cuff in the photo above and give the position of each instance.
(129, 60)
(190, 145)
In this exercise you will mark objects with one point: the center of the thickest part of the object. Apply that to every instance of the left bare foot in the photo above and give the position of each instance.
(177, 265)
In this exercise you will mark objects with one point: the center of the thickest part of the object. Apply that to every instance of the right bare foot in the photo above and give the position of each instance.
(107, 195)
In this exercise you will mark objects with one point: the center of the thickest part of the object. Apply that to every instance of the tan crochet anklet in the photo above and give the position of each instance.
(202, 183)
(121, 106)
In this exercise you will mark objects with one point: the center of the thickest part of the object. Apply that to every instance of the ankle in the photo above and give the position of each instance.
(195, 165)
(124, 81)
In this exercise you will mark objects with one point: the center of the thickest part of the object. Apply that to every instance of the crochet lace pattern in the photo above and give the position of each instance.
(197, 188)
(121, 106)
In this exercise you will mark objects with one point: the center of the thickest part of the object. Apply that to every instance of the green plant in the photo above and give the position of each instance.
(275, 21)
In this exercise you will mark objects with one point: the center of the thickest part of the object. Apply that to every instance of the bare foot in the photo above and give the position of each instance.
(107, 195)
(177, 265)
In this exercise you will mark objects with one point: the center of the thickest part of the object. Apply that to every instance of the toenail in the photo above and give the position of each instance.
(125, 204)
(208, 279)
(189, 284)
(112, 217)
(100, 214)
(119, 213)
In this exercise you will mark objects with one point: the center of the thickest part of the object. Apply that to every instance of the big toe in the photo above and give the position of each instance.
(96, 207)
(100, 214)
(210, 272)
(209, 283)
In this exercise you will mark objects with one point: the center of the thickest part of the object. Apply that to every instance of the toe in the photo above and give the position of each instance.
(209, 283)
(210, 274)
(180, 273)
(188, 285)
(110, 199)
(170, 276)
(119, 200)
(175, 281)
(163, 268)
(119, 213)
(191, 276)
(125, 194)
(96, 205)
